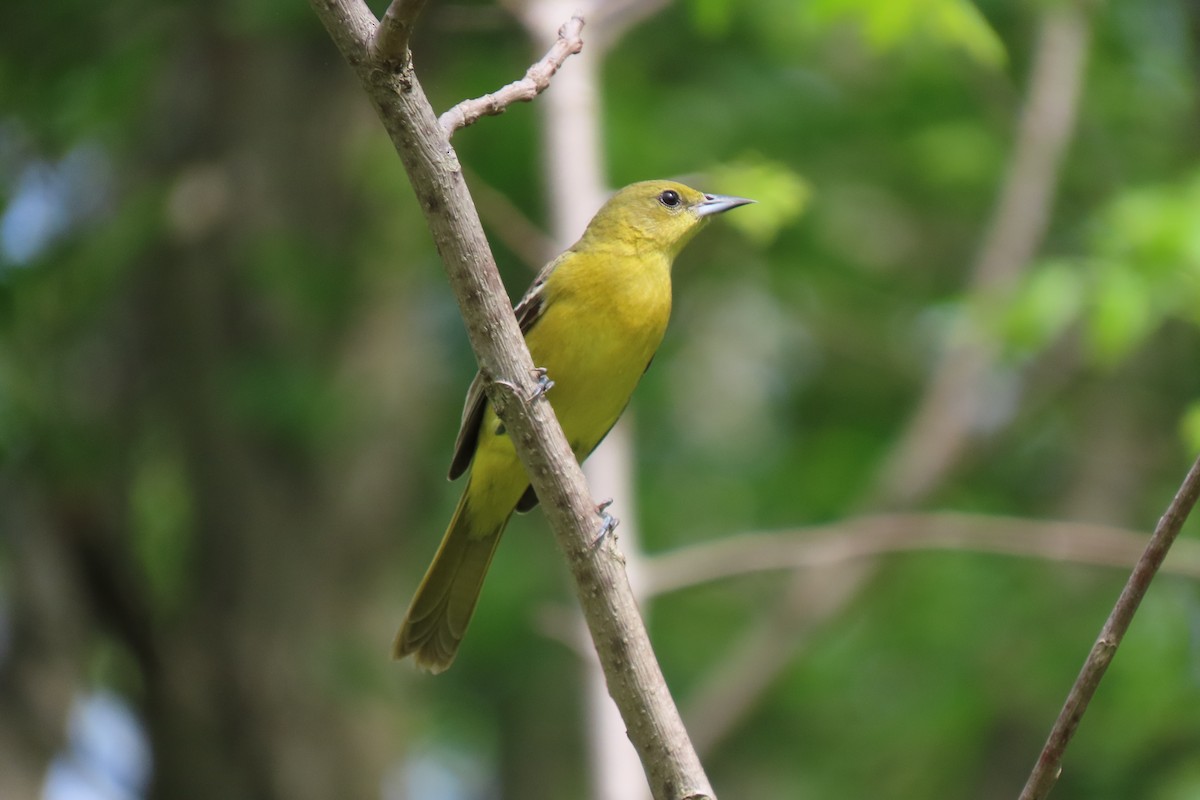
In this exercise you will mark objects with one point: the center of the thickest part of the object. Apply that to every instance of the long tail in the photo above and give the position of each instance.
(438, 616)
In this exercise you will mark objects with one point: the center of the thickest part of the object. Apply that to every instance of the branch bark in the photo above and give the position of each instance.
(634, 678)
(1049, 764)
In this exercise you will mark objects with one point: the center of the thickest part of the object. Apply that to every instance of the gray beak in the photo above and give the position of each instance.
(717, 203)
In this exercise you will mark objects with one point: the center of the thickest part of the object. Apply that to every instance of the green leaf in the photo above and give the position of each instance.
(711, 17)
(960, 154)
(1189, 427)
(161, 506)
(960, 23)
(1121, 315)
(888, 25)
(1050, 300)
(782, 194)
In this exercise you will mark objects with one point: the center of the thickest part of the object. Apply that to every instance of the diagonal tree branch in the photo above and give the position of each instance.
(1049, 764)
(536, 80)
(630, 667)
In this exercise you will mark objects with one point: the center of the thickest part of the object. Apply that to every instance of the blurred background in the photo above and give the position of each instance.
(914, 413)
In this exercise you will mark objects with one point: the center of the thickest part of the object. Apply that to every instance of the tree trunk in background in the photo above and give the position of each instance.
(234, 669)
(576, 187)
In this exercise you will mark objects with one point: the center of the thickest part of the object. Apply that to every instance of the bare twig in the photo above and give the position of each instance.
(536, 80)
(634, 678)
(940, 427)
(389, 44)
(1049, 764)
(867, 537)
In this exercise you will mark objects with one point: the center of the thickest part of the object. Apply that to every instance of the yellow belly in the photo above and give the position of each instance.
(595, 343)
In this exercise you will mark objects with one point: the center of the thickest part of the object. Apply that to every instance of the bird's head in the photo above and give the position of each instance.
(656, 215)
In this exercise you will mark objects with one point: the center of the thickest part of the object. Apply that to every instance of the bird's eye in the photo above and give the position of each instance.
(670, 198)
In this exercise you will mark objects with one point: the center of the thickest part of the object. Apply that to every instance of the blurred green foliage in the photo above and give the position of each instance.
(231, 373)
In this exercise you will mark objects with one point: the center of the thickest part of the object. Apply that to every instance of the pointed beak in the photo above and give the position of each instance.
(718, 203)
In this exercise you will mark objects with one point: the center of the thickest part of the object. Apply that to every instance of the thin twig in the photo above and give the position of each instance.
(1049, 764)
(389, 45)
(631, 669)
(870, 536)
(536, 80)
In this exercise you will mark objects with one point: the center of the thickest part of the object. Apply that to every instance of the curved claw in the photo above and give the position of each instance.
(544, 384)
(608, 523)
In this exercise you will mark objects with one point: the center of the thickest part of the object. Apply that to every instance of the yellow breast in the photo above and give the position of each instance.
(605, 317)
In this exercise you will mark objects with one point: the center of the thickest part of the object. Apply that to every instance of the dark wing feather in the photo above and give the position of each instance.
(528, 311)
(528, 501)
(468, 429)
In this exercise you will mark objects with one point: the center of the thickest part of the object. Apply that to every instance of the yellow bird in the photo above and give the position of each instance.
(593, 319)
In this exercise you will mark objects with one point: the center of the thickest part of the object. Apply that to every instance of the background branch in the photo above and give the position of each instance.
(1049, 764)
(728, 693)
(509, 225)
(866, 537)
(631, 669)
(832, 557)
(938, 430)
(941, 426)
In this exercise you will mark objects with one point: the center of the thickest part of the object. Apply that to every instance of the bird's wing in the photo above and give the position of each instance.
(468, 430)
(528, 311)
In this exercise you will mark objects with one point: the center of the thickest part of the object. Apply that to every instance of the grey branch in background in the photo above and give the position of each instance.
(937, 433)
(940, 429)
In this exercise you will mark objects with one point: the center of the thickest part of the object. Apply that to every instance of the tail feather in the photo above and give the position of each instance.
(437, 619)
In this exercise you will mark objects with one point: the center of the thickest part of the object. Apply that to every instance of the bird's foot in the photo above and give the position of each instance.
(608, 523)
(544, 384)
